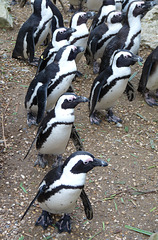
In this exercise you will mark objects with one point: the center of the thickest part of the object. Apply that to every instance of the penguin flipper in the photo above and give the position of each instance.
(76, 139)
(40, 191)
(94, 44)
(42, 100)
(87, 205)
(31, 45)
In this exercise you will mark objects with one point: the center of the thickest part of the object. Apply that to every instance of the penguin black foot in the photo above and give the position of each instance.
(149, 100)
(31, 120)
(64, 224)
(94, 119)
(44, 220)
(95, 67)
(41, 161)
(71, 9)
(112, 118)
(34, 62)
(58, 161)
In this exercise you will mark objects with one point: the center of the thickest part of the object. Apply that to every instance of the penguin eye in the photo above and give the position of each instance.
(86, 163)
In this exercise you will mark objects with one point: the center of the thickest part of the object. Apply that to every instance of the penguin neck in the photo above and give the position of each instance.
(134, 22)
(58, 45)
(113, 26)
(66, 114)
(104, 12)
(124, 71)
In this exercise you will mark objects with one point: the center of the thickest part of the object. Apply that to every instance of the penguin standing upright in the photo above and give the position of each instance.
(34, 31)
(149, 78)
(129, 35)
(62, 186)
(101, 35)
(107, 6)
(51, 83)
(60, 38)
(55, 129)
(80, 36)
(110, 84)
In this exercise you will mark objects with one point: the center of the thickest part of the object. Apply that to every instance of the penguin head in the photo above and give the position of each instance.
(67, 53)
(114, 17)
(82, 162)
(80, 18)
(61, 34)
(108, 2)
(70, 100)
(124, 58)
(138, 8)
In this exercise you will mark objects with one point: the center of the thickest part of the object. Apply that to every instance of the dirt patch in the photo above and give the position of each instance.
(113, 191)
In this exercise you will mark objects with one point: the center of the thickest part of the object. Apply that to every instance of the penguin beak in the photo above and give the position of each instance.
(80, 49)
(90, 15)
(97, 162)
(80, 99)
(149, 4)
(71, 30)
(136, 58)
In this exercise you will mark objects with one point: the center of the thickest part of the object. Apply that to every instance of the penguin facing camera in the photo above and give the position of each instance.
(110, 84)
(107, 6)
(129, 36)
(100, 36)
(61, 188)
(60, 38)
(51, 83)
(55, 129)
(80, 36)
(149, 78)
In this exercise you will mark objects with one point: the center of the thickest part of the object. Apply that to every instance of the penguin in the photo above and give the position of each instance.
(51, 83)
(107, 6)
(60, 38)
(55, 129)
(110, 84)
(129, 35)
(101, 35)
(35, 30)
(80, 36)
(61, 187)
(149, 78)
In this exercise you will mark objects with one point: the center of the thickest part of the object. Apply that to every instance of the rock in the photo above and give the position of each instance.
(154, 236)
(149, 34)
(5, 17)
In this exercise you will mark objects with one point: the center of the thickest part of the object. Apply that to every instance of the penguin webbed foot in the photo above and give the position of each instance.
(31, 119)
(44, 220)
(149, 100)
(95, 67)
(94, 119)
(112, 118)
(58, 161)
(64, 224)
(34, 62)
(41, 161)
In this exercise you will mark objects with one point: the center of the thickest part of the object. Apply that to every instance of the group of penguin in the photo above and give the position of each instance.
(114, 39)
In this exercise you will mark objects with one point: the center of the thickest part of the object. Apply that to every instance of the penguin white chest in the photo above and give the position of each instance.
(152, 83)
(57, 140)
(63, 201)
(57, 91)
(112, 95)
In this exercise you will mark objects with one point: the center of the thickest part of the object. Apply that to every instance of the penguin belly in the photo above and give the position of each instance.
(63, 201)
(152, 83)
(112, 95)
(58, 91)
(57, 141)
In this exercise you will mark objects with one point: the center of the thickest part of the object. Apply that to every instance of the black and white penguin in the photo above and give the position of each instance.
(55, 129)
(61, 188)
(107, 6)
(60, 38)
(110, 84)
(51, 83)
(101, 35)
(149, 78)
(36, 29)
(80, 36)
(129, 35)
